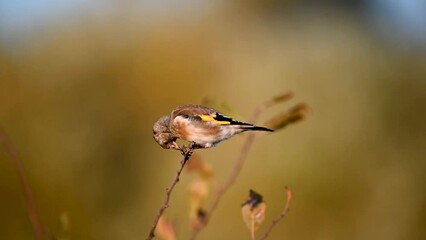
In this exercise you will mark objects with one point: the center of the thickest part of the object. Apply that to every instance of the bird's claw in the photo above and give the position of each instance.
(174, 145)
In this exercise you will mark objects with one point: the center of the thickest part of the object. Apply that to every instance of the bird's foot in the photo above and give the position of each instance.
(174, 145)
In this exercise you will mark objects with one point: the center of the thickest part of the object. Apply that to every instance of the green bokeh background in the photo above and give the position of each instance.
(79, 100)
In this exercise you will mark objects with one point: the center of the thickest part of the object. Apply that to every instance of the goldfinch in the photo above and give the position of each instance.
(203, 127)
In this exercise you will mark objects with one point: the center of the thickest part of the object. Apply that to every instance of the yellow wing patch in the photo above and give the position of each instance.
(209, 118)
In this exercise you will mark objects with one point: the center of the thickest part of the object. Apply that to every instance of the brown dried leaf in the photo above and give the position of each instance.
(285, 96)
(258, 215)
(246, 211)
(294, 115)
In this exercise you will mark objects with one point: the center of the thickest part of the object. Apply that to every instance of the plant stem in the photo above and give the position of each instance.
(281, 216)
(28, 195)
(168, 195)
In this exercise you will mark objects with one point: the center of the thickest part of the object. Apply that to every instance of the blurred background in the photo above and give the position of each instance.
(82, 82)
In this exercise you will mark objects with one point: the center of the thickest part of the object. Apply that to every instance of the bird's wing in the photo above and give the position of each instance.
(205, 114)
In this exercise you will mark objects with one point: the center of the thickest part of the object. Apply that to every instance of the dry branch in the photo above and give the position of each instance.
(187, 154)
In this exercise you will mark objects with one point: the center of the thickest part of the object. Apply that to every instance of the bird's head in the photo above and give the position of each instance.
(162, 134)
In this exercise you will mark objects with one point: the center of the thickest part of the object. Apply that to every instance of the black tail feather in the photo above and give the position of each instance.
(257, 128)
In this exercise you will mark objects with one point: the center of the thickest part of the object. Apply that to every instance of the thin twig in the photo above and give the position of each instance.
(281, 216)
(28, 195)
(238, 164)
(169, 190)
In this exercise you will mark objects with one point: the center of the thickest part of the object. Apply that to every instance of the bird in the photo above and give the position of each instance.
(203, 127)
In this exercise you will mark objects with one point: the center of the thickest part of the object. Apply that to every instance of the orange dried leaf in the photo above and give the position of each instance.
(289, 194)
(198, 193)
(195, 163)
(165, 229)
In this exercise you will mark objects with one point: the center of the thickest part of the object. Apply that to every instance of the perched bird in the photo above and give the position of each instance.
(202, 126)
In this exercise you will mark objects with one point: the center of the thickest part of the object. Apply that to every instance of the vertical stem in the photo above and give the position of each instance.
(28, 195)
